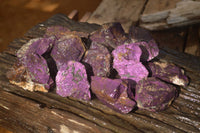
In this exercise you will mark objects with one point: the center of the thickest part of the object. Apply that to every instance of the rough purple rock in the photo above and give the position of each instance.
(110, 35)
(68, 47)
(20, 76)
(60, 31)
(144, 39)
(168, 72)
(127, 62)
(113, 93)
(126, 53)
(99, 58)
(71, 80)
(154, 95)
(31, 57)
(149, 50)
(132, 70)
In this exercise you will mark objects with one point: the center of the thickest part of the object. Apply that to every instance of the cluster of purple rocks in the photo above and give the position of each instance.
(115, 66)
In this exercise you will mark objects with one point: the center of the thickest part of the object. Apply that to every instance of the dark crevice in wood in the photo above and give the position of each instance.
(171, 127)
(142, 11)
(185, 39)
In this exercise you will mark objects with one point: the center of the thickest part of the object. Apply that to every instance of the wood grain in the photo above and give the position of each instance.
(163, 14)
(24, 111)
(126, 12)
(193, 41)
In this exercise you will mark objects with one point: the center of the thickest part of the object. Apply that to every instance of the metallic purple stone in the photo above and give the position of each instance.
(168, 72)
(110, 35)
(99, 58)
(69, 47)
(154, 95)
(145, 41)
(131, 70)
(149, 50)
(113, 93)
(126, 53)
(71, 80)
(30, 56)
(127, 62)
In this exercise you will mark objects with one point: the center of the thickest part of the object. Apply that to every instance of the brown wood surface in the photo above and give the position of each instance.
(163, 14)
(127, 12)
(172, 38)
(24, 111)
(193, 41)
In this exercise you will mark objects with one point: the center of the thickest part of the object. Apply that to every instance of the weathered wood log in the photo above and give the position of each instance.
(163, 14)
(126, 12)
(192, 45)
(24, 111)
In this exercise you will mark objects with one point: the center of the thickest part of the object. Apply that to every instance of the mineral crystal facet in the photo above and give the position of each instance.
(99, 58)
(127, 62)
(145, 41)
(168, 72)
(113, 93)
(154, 95)
(69, 47)
(71, 80)
(126, 53)
(110, 35)
(35, 72)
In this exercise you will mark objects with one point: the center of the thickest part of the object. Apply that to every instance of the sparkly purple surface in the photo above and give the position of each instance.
(30, 55)
(71, 80)
(154, 95)
(168, 72)
(145, 41)
(149, 50)
(127, 62)
(69, 47)
(113, 93)
(99, 58)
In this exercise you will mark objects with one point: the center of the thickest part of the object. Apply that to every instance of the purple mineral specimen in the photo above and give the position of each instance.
(127, 62)
(154, 95)
(69, 47)
(145, 41)
(110, 35)
(113, 93)
(20, 76)
(31, 57)
(99, 58)
(168, 72)
(71, 80)
(126, 53)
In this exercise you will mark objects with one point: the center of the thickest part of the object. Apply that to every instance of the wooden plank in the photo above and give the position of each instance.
(85, 17)
(126, 12)
(24, 111)
(157, 10)
(73, 15)
(193, 41)
(163, 14)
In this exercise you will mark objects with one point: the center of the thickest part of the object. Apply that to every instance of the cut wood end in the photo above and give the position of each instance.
(73, 15)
